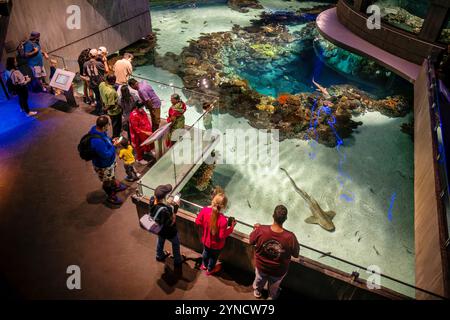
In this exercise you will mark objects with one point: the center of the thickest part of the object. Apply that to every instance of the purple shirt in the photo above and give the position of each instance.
(146, 93)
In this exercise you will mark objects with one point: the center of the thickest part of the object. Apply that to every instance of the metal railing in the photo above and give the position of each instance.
(184, 89)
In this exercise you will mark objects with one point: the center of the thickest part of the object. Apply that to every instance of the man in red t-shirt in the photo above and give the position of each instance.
(274, 247)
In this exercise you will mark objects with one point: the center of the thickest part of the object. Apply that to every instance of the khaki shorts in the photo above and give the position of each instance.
(39, 72)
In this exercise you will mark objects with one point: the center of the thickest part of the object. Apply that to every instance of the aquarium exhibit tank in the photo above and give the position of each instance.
(345, 124)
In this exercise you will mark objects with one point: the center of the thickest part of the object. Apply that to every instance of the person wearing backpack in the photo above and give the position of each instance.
(17, 84)
(99, 148)
(88, 97)
(164, 213)
(94, 73)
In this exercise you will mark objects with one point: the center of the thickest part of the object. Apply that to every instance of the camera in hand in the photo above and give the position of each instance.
(230, 221)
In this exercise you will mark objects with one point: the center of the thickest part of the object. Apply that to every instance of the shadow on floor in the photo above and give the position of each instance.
(177, 278)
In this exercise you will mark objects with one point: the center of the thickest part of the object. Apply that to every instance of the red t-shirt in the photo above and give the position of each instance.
(218, 241)
(274, 250)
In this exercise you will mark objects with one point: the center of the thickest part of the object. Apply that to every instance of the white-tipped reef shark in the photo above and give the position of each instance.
(320, 217)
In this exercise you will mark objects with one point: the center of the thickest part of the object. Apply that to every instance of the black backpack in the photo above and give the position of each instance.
(95, 78)
(12, 88)
(83, 57)
(21, 49)
(84, 147)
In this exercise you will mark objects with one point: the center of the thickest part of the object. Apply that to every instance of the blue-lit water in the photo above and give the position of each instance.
(294, 74)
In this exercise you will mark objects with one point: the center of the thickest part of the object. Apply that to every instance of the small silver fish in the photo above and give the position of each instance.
(325, 255)
(376, 251)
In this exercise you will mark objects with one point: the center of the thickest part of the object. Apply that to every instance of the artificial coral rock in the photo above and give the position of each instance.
(244, 5)
(203, 176)
(213, 58)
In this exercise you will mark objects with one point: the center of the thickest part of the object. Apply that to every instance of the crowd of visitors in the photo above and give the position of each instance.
(133, 108)
(129, 112)
(274, 245)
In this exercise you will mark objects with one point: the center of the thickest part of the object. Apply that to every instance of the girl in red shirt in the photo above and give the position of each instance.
(215, 231)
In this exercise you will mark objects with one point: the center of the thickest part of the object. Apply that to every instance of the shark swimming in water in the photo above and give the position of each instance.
(320, 217)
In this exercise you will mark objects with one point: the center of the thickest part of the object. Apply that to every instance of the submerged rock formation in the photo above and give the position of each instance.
(403, 18)
(142, 50)
(244, 5)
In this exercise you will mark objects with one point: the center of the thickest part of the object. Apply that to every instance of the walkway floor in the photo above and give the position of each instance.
(330, 27)
(52, 216)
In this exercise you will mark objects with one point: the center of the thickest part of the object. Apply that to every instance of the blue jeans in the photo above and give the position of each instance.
(274, 283)
(210, 257)
(175, 248)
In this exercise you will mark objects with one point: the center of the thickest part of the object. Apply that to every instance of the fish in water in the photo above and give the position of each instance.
(325, 255)
(320, 217)
(407, 249)
(376, 251)
(249, 205)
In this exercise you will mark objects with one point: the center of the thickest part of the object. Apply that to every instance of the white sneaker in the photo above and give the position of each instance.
(32, 113)
(143, 162)
(257, 294)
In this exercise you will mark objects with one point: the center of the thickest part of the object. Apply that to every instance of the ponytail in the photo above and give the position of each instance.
(219, 203)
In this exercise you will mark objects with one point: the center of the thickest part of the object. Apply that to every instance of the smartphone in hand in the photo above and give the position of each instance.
(177, 198)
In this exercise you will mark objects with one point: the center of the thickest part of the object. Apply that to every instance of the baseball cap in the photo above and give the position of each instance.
(35, 35)
(102, 50)
(162, 191)
(93, 52)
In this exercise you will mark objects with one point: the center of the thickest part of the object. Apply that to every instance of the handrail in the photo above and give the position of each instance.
(100, 31)
(175, 87)
(325, 254)
(60, 57)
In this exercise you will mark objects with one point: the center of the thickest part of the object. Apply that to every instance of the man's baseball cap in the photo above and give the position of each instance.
(102, 50)
(35, 35)
(162, 191)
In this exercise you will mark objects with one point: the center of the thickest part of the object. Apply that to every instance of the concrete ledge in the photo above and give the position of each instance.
(305, 276)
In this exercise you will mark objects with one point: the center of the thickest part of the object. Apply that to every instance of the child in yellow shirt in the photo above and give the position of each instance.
(126, 154)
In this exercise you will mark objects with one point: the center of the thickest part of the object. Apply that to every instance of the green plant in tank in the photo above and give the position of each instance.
(265, 49)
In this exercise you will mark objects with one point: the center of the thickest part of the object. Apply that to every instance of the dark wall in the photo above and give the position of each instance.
(114, 24)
